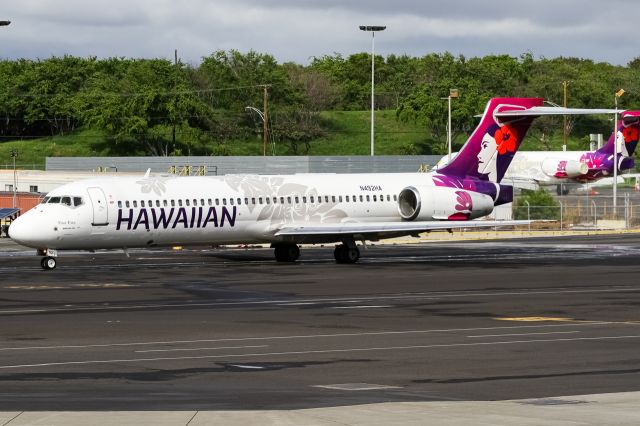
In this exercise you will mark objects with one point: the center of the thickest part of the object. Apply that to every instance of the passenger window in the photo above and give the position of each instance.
(275, 200)
(142, 203)
(173, 203)
(246, 201)
(165, 203)
(361, 199)
(297, 199)
(311, 199)
(395, 197)
(135, 203)
(288, 200)
(231, 201)
(340, 198)
(333, 198)
(368, 198)
(347, 198)
(77, 201)
(260, 200)
(268, 200)
(281, 200)
(180, 203)
(239, 201)
(217, 201)
(375, 197)
(126, 203)
(195, 202)
(253, 200)
(209, 201)
(157, 203)
(304, 200)
(326, 198)
(119, 204)
(186, 202)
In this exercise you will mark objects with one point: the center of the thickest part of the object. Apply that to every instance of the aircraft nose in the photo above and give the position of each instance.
(22, 232)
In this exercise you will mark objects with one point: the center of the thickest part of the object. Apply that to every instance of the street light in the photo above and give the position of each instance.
(453, 93)
(373, 29)
(619, 94)
(14, 155)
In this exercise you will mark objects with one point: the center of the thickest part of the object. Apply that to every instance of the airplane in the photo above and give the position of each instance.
(287, 210)
(532, 169)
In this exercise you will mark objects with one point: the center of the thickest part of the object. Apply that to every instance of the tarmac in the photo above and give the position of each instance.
(595, 409)
(603, 409)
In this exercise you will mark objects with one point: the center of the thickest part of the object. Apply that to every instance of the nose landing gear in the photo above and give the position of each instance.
(48, 263)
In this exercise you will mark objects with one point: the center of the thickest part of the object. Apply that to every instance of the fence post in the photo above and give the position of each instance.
(528, 213)
(561, 215)
(595, 215)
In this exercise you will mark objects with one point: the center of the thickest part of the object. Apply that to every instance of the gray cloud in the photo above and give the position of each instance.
(295, 30)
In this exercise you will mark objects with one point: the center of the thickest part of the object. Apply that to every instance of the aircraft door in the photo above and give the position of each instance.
(100, 208)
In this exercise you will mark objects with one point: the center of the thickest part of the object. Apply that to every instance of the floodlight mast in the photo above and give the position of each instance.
(373, 29)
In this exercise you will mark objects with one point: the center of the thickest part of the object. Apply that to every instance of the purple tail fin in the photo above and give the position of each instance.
(492, 145)
(628, 131)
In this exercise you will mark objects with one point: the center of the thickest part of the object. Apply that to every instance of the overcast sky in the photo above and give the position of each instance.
(296, 30)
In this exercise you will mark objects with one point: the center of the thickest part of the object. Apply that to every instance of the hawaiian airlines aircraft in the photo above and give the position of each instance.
(286, 210)
(541, 168)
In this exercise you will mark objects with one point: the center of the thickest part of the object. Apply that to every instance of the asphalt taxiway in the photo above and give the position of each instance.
(231, 329)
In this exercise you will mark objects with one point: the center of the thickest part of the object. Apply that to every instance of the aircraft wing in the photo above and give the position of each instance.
(379, 230)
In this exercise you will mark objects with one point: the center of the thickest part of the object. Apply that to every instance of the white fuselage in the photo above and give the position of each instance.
(114, 212)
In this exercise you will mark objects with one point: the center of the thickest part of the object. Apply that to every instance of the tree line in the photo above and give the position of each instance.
(158, 107)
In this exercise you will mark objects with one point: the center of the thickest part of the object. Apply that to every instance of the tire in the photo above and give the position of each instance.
(48, 263)
(287, 252)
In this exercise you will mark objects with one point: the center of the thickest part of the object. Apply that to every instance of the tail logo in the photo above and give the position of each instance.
(497, 139)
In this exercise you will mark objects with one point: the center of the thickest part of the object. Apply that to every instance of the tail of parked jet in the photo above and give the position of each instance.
(489, 150)
(627, 135)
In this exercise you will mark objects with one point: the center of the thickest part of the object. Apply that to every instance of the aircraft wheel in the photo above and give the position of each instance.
(287, 252)
(48, 263)
(345, 254)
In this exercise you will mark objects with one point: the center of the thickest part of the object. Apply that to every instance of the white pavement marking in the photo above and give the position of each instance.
(523, 334)
(416, 296)
(322, 351)
(202, 349)
(360, 307)
(316, 336)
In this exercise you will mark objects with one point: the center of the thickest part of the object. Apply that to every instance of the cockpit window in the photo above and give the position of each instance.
(54, 200)
(45, 200)
(77, 201)
(65, 201)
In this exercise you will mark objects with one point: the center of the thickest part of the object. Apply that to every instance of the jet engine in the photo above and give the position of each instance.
(441, 203)
(563, 168)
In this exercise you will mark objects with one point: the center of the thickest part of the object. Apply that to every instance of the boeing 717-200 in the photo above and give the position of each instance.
(287, 210)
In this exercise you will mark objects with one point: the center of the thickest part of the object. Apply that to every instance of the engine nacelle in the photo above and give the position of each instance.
(564, 168)
(440, 203)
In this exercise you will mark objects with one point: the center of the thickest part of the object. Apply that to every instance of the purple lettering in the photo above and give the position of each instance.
(121, 219)
(143, 218)
(181, 217)
(230, 218)
(161, 218)
(212, 216)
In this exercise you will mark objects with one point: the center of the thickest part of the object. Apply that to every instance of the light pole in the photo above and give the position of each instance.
(453, 93)
(373, 29)
(619, 93)
(14, 155)
(264, 127)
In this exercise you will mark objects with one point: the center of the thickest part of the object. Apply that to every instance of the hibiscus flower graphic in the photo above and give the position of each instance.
(463, 207)
(506, 138)
(630, 134)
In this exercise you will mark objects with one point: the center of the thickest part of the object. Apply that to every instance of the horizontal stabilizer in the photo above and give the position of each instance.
(540, 111)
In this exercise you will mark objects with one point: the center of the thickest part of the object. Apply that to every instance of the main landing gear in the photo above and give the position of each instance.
(286, 252)
(48, 263)
(344, 253)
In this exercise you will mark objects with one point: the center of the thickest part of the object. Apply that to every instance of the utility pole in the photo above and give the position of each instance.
(173, 131)
(565, 83)
(265, 120)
